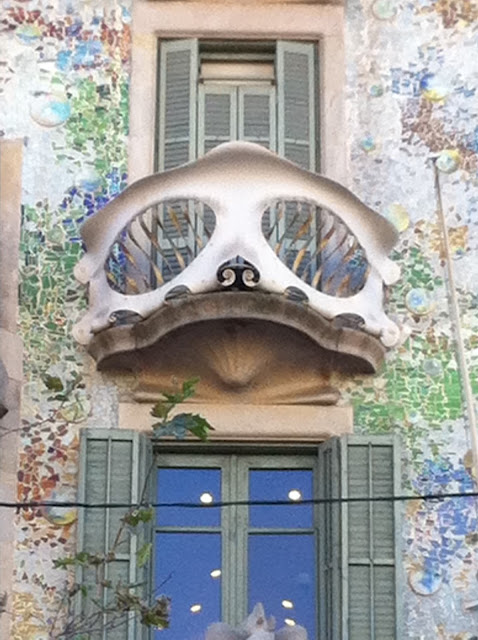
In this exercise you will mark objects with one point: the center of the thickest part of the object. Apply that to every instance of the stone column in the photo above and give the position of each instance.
(10, 358)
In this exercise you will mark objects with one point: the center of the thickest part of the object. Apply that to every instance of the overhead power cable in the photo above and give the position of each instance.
(436, 497)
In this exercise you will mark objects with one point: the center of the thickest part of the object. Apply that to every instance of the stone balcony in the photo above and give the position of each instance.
(239, 236)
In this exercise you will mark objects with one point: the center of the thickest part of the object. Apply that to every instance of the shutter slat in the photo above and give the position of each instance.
(383, 512)
(120, 488)
(358, 512)
(384, 603)
(296, 104)
(360, 627)
(95, 492)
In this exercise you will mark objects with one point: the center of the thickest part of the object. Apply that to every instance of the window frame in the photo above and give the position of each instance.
(164, 20)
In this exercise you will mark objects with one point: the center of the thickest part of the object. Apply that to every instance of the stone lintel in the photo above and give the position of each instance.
(255, 423)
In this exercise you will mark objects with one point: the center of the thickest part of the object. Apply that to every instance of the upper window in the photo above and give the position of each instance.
(214, 92)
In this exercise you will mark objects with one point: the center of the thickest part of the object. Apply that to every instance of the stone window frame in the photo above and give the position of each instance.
(297, 20)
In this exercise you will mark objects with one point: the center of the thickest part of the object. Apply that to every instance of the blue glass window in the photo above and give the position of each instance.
(216, 563)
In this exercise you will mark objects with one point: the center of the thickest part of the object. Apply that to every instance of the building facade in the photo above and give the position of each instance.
(380, 98)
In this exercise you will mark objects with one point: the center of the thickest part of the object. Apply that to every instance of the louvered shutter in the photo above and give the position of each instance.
(178, 80)
(370, 533)
(114, 465)
(296, 103)
(365, 536)
(217, 116)
(256, 121)
(177, 144)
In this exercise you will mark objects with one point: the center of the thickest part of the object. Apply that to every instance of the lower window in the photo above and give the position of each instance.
(216, 563)
(329, 566)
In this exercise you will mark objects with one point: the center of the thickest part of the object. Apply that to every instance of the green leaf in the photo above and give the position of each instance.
(82, 557)
(146, 515)
(143, 554)
(62, 563)
(161, 409)
(157, 615)
(199, 426)
(133, 518)
(173, 398)
(189, 387)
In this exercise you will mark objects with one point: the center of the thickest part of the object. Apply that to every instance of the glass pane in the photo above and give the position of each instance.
(293, 485)
(282, 577)
(183, 566)
(188, 486)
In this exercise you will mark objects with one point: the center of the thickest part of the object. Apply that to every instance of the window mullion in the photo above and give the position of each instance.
(227, 546)
(242, 529)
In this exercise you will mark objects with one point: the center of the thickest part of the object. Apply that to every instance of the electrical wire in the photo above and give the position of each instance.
(429, 497)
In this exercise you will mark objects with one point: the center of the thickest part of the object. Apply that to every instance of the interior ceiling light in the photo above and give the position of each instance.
(289, 622)
(287, 604)
(295, 495)
(195, 608)
(206, 498)
(215, 573)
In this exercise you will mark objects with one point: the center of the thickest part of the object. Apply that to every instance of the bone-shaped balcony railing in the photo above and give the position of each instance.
(314, 243)
(239, 208)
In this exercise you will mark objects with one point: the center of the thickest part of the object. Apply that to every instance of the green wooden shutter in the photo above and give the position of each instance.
(257, 122)
(217, 116)
(113, 468)
(296, 103)
(365, 536)
(178, 80)
(177, 142)
(369, 531)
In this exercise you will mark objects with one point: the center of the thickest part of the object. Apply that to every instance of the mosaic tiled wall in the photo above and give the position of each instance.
(64, 73)
(411, 100)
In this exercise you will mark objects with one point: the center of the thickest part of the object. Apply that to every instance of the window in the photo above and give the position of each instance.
(219, 562)
(211, 92)
(336, 565)
(214, 92)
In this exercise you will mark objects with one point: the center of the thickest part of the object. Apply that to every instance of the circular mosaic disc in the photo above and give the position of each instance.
(384, 9)
(49, 110)
(448, 161)
(418, 301)
(425, 582)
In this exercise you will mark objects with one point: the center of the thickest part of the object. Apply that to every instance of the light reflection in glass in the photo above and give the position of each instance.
(206, 498)
(215, 573)
(287, 604)
(195, 608)
(295, 495)
(289, 622)
(180, 485)
(274, 485)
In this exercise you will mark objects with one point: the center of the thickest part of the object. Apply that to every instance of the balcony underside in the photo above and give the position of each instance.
(244, 346)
